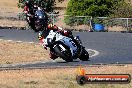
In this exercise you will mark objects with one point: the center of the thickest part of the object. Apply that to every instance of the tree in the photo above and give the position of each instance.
(91, 7)
(124, 10)
(46, 4)
(94, 8)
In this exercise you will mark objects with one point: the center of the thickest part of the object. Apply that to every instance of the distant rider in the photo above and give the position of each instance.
(29, 10)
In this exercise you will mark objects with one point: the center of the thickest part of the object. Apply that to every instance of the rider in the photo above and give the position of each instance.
(66, 33)
(43, 34)
(59, 29)
(29, 10)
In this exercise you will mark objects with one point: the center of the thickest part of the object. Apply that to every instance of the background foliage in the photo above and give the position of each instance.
(46, 4)
(124, 10)
(97, 8)
(91, 7)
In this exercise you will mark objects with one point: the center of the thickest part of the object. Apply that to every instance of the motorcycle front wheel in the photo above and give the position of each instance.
(65, 55)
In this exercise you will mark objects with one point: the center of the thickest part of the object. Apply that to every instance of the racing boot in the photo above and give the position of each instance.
(52, 55)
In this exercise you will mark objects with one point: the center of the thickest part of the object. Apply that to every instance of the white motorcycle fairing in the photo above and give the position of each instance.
(58, 37)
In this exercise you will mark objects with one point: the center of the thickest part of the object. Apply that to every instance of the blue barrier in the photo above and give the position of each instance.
(98, 27)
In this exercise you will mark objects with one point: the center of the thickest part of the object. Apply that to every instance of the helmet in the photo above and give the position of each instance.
(50, 26)
(28, 2)
(35, 4)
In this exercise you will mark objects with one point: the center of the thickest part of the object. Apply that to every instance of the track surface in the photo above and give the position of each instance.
(113, 47)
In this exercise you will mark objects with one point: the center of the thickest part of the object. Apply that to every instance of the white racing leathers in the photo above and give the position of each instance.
(58, 37)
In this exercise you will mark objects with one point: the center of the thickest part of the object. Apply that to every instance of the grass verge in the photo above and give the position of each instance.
(13, 52)
(10, 23)
(59, 78)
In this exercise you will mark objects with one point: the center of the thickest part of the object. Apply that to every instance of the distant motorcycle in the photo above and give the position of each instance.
(65, 48)
(40, 20)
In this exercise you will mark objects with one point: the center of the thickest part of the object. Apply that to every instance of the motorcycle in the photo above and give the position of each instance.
(65, 48)
(40, 20)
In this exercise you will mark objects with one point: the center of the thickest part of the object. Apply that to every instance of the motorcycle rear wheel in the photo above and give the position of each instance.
(65, 55)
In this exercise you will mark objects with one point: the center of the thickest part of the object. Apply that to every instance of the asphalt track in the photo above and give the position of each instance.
(111, 47)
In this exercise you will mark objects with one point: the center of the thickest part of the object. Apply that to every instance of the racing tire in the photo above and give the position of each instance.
(65, 55)
(84, 55)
